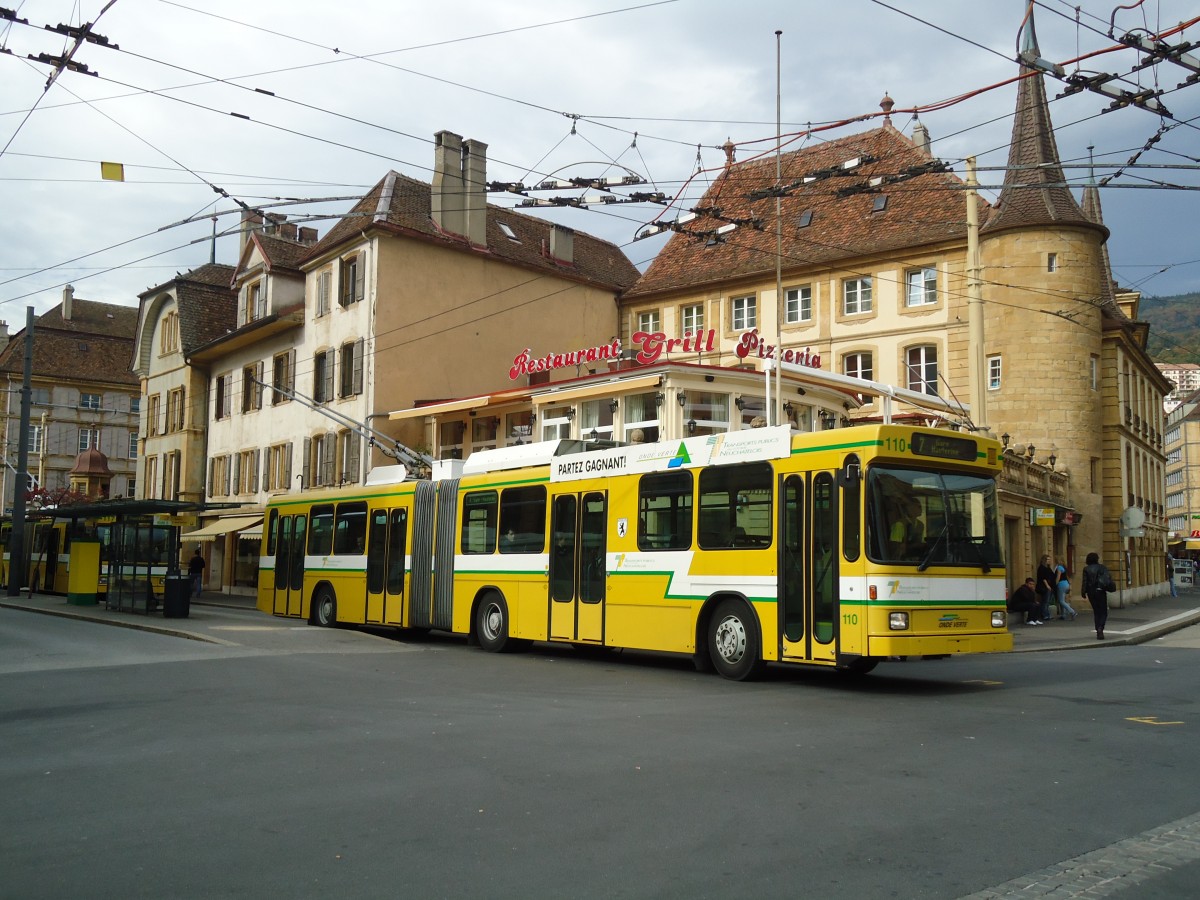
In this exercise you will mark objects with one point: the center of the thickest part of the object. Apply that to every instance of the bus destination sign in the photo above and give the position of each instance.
(944, 447)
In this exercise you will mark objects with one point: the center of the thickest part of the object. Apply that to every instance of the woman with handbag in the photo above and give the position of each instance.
(1097, 582)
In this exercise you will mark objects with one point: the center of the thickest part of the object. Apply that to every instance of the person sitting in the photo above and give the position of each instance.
(1025, 600)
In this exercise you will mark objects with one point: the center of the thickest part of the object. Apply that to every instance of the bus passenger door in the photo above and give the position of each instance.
(289, 566)
(376, 565)
(578, 570)
(808, 570)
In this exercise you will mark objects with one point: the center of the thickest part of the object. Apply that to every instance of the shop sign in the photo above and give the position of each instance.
(753, 345)
(1041, 515)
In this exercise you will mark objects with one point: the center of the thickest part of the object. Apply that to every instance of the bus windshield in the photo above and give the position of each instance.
(928, 519)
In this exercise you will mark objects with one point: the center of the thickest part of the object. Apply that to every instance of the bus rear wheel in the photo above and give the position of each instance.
(492, 623)
(733, 642)
(325, 608)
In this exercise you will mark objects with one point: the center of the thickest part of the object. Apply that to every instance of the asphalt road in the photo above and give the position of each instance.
(305, 762)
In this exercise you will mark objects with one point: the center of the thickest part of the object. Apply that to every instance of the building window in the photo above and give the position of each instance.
(135, 404)
(324, 283)
(858, 365)
(705, 412)
(1095, 373)
(283, 377)
(131, 487)
(798, 305)
(89, 401)
(324, 458)
(170, 484)
(352, 280)
(223, 405)
(133, 445)
(153, 408)
(745, 313)
(256, 302)
(921, 363)
(692, 318)
(921, 286)
(856, 296)
(323, 376)
(252, 388)
(245, 472)
(279, 467)
(1051, 262)
(352, 369)
(218, 476)
(151, 479)
(168, 333)
(39, 396)
(450, 439)
(89, 439)
(993, 367)
(596, 420)
(36, 436)
(175, 410)
(648, 321)
(641, 418)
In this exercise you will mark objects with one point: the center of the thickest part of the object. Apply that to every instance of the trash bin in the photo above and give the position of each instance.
(177, 596)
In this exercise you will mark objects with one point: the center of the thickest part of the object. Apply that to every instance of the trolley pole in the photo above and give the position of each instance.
(16, 549)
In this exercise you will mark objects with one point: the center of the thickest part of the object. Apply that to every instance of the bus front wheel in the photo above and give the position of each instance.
(491, 624)
(325, 608)
(733, 643)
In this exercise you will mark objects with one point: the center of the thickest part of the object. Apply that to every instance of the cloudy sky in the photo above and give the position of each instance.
(298, 100)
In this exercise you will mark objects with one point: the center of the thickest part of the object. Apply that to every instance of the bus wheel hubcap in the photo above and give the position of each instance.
(731, 639)
(492, 621)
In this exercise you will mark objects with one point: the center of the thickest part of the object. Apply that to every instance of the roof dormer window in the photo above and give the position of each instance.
(508, 232)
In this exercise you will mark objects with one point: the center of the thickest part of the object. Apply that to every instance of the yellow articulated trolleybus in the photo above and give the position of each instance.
(838, 548)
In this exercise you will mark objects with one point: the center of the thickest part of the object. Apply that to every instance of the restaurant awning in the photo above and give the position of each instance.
(221, 526)
(604, 389)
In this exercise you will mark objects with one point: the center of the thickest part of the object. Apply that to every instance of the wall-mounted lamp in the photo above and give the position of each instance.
(691, 426)
(1005, 438)
(846, 405)
(1029, 451)
(533, 417)
(659, 398)
(788, 409)
(682, 398)
(801, 391)
(1053, 459)
(739, 402)
(828, 419)
(570, 414)
(594, 435)
(710, 378)
(613, 405)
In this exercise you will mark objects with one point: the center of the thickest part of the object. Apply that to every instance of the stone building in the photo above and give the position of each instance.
(885, 276)
(84, 396)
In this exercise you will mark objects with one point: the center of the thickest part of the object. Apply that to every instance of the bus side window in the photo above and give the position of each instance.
(665, 511)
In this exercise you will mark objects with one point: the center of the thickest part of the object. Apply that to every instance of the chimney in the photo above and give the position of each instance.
(475, 186)
(287, 231)
(562, 243)
(308, 236)
(251, 221)
(68, 302)
(446, 200)
(920, 138)
(3, 334)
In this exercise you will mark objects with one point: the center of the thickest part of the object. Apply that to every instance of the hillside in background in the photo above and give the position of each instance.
(1174, 327)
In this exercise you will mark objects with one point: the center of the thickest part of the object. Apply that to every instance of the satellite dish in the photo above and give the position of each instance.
(1133, 518)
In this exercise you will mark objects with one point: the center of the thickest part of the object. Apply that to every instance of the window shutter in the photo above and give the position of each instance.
(319, 364)
(306, 468)
(212, 467)
(237, 473)
(259, 371)
(290, 378)
(329, 373)
(352, 454)
(328, 457)
(357, 377)
(287, 468)
(254, 471)
(360, 272)
(323, 293)
(346, 278)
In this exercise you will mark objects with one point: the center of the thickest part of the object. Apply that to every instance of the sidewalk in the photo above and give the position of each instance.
(1131, 625)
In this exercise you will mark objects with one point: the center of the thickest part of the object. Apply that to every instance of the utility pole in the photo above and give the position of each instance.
(16, 555)
(975, 304)
(779, 303)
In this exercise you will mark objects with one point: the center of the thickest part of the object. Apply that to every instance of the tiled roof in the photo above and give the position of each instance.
(281, 253)
(72, 357)
(408, 212)
(207, 304)
(90, 317)
(924, 209)
(1034, 191)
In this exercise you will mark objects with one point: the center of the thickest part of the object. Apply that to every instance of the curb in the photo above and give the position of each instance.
(1138, 635)
(135, 625)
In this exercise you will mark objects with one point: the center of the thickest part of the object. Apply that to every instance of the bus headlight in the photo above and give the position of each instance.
(999, 618)
(898, 621)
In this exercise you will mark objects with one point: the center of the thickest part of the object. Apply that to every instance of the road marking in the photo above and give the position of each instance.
(982, 681)
(1111, 869)
(1149, 720)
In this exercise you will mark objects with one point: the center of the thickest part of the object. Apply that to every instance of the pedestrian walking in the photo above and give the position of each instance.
(1063, 588)
(196, 572)
(1171, 574)
(1097, 583)
(1045, 587)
